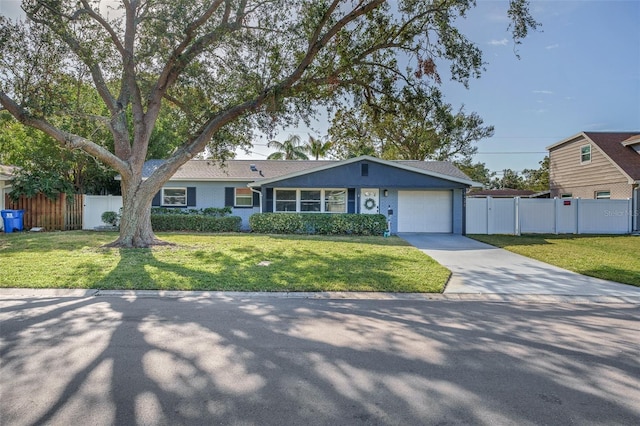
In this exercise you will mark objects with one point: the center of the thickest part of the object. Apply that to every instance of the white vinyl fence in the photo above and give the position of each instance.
(548, 216)
(95, 205)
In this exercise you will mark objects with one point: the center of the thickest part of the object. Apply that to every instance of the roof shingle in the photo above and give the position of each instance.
(240, 170)
(624, 156)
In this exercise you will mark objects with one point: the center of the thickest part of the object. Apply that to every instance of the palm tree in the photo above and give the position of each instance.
(317, 148)
(290, 149)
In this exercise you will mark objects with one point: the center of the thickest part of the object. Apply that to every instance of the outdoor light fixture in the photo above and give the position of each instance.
(386, 192)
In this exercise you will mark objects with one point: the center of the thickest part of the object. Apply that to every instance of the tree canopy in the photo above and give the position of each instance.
(413, 124)
(531, 179)
(225, 67)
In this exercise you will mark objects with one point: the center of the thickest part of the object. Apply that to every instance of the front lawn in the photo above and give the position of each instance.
(238, 262)
(610, 257)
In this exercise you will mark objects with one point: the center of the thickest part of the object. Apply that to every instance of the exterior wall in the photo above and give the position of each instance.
(568, 176)
(458, 211)
(212, 194)
(379, 176)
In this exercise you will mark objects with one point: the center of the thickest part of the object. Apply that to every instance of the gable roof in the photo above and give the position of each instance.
(233, 170)
(616, 146)
(267, 171)
(438, 169)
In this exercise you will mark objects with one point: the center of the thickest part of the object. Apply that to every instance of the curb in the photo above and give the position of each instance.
(237, 295)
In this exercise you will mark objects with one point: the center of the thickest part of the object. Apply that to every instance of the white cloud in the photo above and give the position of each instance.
(552, 46)
(502, 42)
(543, 92)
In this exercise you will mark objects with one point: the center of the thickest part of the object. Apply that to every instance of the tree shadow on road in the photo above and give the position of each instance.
(262, 360)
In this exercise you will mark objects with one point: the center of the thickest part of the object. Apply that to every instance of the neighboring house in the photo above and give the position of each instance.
(597, 165)
(423, 196)
(6, 174)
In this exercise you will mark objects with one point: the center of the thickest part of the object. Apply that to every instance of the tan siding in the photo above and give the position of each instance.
(568, 175)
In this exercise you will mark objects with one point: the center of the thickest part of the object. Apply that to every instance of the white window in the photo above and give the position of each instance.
(603, 195)
(285, 200)
(335, 200)
(568, 195)
(585, 154)
(311, 200)
(243, 197)
(174, 197)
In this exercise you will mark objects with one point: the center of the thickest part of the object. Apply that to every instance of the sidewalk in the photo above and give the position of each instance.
(8, 293)
(479, 268)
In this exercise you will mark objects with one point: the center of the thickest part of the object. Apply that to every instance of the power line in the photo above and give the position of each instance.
(511, 152)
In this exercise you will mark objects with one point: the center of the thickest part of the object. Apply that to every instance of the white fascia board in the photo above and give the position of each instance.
(569, 139)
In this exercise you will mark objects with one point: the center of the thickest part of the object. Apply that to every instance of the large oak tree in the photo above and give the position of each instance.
(229, 66)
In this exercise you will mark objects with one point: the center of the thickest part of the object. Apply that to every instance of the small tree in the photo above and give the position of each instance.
(110, 218)
(537, 179)
(317, 148)
(290, 149)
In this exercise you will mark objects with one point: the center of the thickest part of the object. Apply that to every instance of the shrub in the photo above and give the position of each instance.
(195, 222)
(110, 218)
(209, 211)
(318, 223)
(217, 211)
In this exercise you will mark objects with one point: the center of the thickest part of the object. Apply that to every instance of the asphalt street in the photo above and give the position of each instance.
(201, 360)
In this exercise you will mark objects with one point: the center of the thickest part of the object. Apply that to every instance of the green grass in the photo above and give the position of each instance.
(615, 258)
(218, 262)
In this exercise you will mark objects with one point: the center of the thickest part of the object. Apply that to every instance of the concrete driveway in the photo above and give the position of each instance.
(480, 268)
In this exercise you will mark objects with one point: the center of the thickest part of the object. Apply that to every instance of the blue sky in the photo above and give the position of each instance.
(581, 71)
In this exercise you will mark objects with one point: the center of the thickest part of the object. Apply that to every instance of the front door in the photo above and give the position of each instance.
(369, 199)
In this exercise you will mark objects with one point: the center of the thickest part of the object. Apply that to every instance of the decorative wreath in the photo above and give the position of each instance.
(369, 203)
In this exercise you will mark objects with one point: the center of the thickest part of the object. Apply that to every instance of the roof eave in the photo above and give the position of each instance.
(365, 158)
(569, 139)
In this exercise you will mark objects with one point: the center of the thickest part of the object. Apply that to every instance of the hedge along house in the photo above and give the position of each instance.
(417, 196)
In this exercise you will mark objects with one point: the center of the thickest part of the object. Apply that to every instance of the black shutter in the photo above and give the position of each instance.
(156, 200)
(191, 196)
(351, 200)
(256, 199)
(268, 204)
(229, 196)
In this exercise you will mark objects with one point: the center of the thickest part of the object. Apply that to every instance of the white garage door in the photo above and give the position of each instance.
(425, 211)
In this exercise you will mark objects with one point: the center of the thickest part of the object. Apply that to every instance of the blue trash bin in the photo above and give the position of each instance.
(13, 220)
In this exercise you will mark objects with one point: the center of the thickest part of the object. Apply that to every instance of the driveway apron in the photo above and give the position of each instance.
(480, 268)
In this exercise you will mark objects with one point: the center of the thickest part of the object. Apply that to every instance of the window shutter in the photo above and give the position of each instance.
(268, 203)
(156, 200)
(351, 200)
(191, 196)
(256, 199)
(229, 196)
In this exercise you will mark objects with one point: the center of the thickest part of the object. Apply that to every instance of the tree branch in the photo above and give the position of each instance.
(68, 140)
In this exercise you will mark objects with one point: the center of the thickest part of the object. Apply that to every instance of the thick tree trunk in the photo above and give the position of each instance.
(135, 223)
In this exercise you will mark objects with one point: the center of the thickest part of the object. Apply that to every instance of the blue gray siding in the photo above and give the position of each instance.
(458, 211)
(378, 176)
(212, 194)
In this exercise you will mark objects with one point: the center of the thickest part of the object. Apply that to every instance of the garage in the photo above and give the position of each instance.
(425, 211)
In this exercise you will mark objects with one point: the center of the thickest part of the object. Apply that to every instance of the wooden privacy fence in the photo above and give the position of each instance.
(60, 214)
